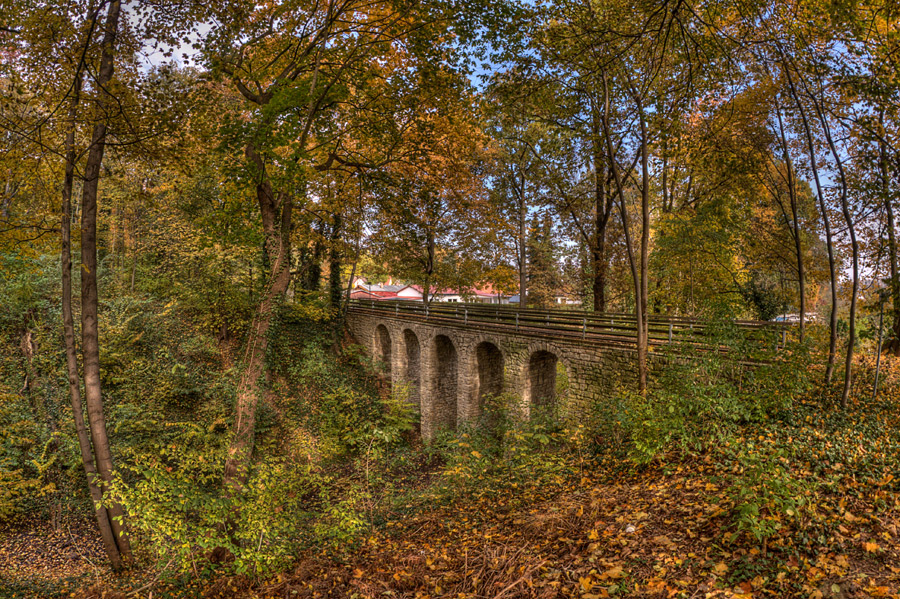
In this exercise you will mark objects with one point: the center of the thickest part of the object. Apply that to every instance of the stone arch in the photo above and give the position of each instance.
(413, 371)
(489, 365)
(445, 383)
(383, 349)
(545, 378)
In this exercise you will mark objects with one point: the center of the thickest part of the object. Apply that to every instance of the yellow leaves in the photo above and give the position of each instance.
(593, 535)
(720, 568)
(613, 573)
(870, 547)
(849, 517)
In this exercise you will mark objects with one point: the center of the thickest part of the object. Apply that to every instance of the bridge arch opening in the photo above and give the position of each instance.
(383, 349)
(546, 383)
(489, 363)
(413, 374)
(444, 392)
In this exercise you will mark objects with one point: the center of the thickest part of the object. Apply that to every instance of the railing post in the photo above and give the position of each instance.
(396, 309)
(584, 327)
(548, 319)
(783, 337)
(517, 322)
(466, 315)
(670, 333)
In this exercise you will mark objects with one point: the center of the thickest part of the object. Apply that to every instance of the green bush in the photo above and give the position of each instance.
(503, 449)
(181, 511)
(764, 493)
(698, 398)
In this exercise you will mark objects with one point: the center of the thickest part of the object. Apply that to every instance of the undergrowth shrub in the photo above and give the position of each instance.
(181, 511)
(312, 485)
(502, 449)
(24, 458)
(700, 398)
(765, 494)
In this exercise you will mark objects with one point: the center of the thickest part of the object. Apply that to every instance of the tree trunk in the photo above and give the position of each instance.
(603, 203)
(854, 246)
(795, 223)
(893, 344)
(637, 278)
(523, 241)
(641, 315)
(90, 345)
(429, 266)
(832, 270)
(334, 275)
(250, 388)
(84, 439)
(801, 266)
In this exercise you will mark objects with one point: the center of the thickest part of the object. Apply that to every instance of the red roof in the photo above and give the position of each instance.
(362, 294)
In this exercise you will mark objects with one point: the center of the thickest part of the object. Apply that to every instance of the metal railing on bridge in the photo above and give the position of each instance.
(598, 327)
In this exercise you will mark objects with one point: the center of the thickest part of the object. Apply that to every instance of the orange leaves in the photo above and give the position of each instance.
(613, 573)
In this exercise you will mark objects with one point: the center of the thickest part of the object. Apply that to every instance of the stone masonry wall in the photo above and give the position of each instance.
(594, 373)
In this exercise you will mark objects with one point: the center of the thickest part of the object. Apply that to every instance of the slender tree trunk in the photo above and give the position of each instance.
(429, 266)
(894, 344)
(250, 388)
(629, 246)
(829, 244)
(645, 249)
(603, 210)
(84, 439)
(523, 241)
(81, 431)
(854, 246)
(355, 261)
(334, 275)
(90, 345)
(795, 223)
(314, 272)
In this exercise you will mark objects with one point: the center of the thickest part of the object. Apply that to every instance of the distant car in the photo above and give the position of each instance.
(795, 318)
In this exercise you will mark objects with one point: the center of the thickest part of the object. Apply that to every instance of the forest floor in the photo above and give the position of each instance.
(660, 532)
(656, 533)
(807, 505)
(37, 554)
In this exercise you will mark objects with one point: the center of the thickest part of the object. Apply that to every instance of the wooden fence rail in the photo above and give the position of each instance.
(603, 328)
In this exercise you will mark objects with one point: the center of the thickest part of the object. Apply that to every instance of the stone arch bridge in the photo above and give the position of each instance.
(453, 356)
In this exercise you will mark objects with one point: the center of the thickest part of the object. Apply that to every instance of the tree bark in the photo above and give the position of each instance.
(641, 315)
(854, 247)
(795, 223)
(636, 277)
(334, 276)
(429, 265)
(893, 344)
(603, 205)
(81, 431)
(523, 242)
(250, 388)
(832, 270)
(90, 345)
